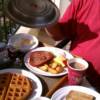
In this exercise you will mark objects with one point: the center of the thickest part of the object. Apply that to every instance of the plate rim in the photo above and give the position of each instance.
(69, 88)
(37, 80)
(33, 69)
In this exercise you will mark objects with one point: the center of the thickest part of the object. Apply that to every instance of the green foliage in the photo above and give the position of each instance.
(6, 25)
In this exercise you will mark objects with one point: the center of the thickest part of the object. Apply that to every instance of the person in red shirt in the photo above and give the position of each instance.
(81, 24)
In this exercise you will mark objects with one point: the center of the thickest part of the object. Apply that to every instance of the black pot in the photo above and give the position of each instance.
(32, 13)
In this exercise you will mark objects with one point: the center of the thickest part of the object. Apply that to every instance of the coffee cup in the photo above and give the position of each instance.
(76, 70)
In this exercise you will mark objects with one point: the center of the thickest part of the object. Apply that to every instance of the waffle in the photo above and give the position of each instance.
(4, 83)
(14, 87)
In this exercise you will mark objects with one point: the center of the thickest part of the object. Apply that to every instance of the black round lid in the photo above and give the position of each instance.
(33, 13)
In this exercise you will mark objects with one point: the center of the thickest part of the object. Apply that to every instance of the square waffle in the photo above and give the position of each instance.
(4, 83)
(14, 87)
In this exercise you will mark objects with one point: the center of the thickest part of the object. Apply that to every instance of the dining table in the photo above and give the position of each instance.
(50, 84)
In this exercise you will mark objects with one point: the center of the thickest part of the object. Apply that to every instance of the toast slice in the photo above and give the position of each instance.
(77, 95)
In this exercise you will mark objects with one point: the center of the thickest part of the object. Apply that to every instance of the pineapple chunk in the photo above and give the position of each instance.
(60, 60)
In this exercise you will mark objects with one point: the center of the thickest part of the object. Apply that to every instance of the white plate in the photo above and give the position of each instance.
(37, 84)
(55, 51)
(62, 92)
(17, 38)
(42, 98)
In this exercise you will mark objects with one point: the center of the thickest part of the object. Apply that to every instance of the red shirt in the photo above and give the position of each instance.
(81, 24)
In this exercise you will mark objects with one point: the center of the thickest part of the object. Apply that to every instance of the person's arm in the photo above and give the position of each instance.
(65, 26)
(55, 32)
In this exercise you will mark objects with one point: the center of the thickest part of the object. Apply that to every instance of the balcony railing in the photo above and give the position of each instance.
(7, 26)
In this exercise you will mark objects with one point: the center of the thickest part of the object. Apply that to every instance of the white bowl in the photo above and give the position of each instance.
(23, 42)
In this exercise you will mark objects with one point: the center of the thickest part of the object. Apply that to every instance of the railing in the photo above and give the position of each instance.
(7, 27)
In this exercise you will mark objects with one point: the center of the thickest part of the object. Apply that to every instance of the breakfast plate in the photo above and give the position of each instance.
(56, 52)
(62, 92)
(23, 42)
(35, 81)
